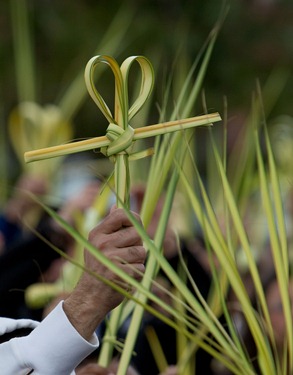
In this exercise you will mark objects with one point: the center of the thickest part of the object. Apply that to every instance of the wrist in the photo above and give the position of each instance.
(83, 313)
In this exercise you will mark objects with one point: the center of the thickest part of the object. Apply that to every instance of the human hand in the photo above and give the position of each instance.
(118, 239)
(92, 299)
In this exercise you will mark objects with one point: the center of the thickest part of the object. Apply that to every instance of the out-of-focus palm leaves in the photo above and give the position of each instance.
(32, 126)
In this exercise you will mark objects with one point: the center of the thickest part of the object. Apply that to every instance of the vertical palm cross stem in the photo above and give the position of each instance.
(119, 132)
(120, 136)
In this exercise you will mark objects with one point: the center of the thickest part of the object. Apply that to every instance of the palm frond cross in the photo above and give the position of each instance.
(120, 136)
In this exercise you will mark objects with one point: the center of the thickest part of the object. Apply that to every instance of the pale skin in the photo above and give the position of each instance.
(91, 300)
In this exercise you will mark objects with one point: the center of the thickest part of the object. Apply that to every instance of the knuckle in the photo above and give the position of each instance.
(101, 242)
(120, 235)
(141, 268)
(132, 252)
(142, 253)
(137, 254)
(134, 236)
(118, 214)
(138, 271)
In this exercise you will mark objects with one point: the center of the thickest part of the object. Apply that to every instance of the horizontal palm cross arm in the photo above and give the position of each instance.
(104, 141)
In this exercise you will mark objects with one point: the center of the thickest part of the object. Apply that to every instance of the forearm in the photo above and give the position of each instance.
(83, 312)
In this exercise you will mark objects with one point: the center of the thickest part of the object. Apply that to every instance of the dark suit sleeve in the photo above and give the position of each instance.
(20, 266)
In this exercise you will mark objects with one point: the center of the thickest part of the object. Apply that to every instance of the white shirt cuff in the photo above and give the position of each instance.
(54, 347)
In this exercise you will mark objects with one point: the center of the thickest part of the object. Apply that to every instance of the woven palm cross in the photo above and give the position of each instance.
(120, 136)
